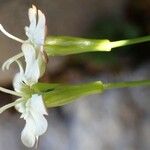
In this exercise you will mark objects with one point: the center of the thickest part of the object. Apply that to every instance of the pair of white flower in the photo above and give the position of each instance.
(30, 105)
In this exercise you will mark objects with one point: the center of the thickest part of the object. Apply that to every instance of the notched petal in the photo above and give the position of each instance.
(27, 136)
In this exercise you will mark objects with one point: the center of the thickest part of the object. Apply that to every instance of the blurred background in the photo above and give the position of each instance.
(115, 120)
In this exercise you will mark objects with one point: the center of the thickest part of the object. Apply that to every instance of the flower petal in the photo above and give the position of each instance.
(37, 109)
(39, 35)
(20, 107)
(17, 81)
(29, 53)
(32, 72)
(37, 104)
(32, 13)
(36, 124)
(27, 135)
(36, 30)
(40, 123)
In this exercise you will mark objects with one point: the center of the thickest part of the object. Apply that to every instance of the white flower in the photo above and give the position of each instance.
(32, 111)
(32, 48)
(31, 107)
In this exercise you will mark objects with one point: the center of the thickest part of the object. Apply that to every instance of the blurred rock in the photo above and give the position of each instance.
(117, 119)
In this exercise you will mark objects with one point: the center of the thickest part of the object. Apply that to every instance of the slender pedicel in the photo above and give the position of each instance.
(2, 109)
(10, 35)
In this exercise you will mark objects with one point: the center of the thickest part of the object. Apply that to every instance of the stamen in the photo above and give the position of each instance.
(10, 92)
(8, 62)
(2, 109)
(10, 35)
(20, 66)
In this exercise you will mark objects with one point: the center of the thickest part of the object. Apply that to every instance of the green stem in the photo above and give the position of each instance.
(130, 41)
(126, 84)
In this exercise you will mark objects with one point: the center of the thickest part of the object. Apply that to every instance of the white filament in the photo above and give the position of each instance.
(10, 35)
(8, 62)
(2, 109)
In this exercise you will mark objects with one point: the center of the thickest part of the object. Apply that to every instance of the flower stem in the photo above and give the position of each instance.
(129, 41)
(126, 84)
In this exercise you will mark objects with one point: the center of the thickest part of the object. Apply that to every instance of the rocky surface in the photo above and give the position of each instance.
(117, 119)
